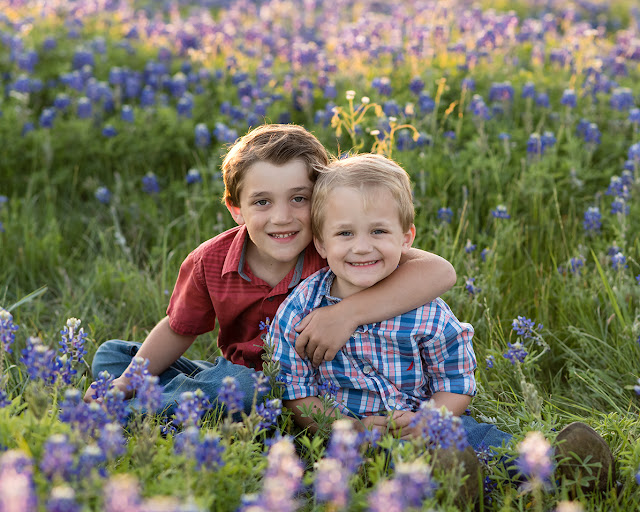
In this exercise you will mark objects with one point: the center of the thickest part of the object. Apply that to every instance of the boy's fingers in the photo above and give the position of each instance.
(317, 357)
(301, 345)
(303, 323)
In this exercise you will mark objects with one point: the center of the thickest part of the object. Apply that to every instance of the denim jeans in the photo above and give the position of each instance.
(184, 375)
(486, 434)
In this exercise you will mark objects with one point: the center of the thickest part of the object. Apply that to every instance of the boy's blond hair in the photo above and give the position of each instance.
(277, 144)
(364, 172)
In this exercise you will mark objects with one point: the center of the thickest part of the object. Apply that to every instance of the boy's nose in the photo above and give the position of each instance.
(361, 245)
(281, 215)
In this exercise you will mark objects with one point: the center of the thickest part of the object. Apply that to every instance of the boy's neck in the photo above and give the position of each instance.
(270, 272)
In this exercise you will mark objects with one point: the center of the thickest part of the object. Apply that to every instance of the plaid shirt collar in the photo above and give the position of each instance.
(237, 253)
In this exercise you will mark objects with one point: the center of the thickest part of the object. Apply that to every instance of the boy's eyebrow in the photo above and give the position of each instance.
(293, 190)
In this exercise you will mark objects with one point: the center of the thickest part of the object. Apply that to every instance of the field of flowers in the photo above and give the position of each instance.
(519, 124)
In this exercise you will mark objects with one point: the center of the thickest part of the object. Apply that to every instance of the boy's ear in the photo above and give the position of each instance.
(320, 247)
(408, 239)
(235, 212)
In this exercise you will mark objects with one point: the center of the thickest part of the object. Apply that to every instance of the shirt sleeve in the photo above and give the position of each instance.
(191, 310)
(449, 356)
(297, 374)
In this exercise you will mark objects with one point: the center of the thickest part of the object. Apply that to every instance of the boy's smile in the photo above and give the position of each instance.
(275, 205)
(362, 238)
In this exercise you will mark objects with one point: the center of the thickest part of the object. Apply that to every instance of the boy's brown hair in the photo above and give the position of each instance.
(364, 172)
(277, 144)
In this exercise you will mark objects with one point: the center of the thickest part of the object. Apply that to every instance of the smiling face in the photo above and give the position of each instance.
(275, 205)
(362, 238)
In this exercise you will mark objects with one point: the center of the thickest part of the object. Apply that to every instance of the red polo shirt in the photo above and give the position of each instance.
(215, 282)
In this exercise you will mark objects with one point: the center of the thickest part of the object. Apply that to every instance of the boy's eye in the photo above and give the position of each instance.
(379, 231)
(261, 202)
(344, 233)
(299, 199)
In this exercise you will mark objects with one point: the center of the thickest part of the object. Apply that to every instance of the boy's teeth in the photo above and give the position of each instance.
(283, 235)
(363, 264)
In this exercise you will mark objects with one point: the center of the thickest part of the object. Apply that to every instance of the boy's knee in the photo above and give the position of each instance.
(111, 355)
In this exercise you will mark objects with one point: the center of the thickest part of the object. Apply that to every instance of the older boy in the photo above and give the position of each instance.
(241, 276)
(362, 222)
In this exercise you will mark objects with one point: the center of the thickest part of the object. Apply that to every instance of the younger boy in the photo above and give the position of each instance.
(241, 276)
(362, 221)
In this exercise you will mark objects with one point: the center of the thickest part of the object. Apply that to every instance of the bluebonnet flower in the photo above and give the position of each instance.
(516, 353)
(282, 478)
(592, 220)
(386, 497)
(490, 361)
(328, 388)
(137, 372)
(634, 116)
(633, 153)
(57, 457)
(191, 406)
(115, 405)
(416, 85)
(7, 330)
(503, 136)
(636, 388)
(62, 499)
(638, 476)
(638, 278)
(193, 176)
(439, 427)
(568, 98)
(618, 187)
(150, 183)
(478, 108)
(382, 85)
(548, 140)
(484, 253)
(576, 264)
(126, 114)
(469, 247)
(40, 361)
(90, 458)
(344, 445)
(231, 396)
(592, 134)
(73, 410)
(101, 385)
(426, 104)
(500, 212)
(121, 494)
(542, 100)
(269, 411)
(621, 99)
(525, 327)
(449, 134)
(260, 383)
(415, 481)
(618, 261)
(27, 127)
(82, 58)
(147, 96)
(619, 205)
(62, 101)
(84, 108)
(469, 84)
(22, 84)
(484, 453)
(203, 138)
(47, 116)
(185, 106)
(112, 441)
(445, 215)
(529, 90)
(17, 489)
(534, 460)
(149, 393)
(73, 340)
(109, 131)
(469, 285)
(264, 325)
(502, 91)
(103, 195)
(5, 401)
(331, 484)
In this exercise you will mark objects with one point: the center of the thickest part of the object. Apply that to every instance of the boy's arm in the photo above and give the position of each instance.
(162, 347)
(419, 279)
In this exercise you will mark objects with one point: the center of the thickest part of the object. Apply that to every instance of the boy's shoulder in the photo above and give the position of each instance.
(308, 294)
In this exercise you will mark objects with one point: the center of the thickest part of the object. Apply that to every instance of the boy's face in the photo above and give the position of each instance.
(362, 242)
(275, 205)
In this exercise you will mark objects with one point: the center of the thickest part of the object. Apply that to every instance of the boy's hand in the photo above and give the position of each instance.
(122, 383)
(400, 421)
(322, 333)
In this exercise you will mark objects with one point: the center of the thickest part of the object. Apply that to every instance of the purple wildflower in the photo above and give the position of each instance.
(269, 412)
(112, 441)
(260, 383)
(331, 483)
(90, 459)
(516, 353)
(500, 212)
(470, 286)
(525, 327)
(57, 457)
(592, 220)
(344, 444)
(618, 261)
(636, 388)
(17, 490)
(387, 497)
(416, 482)
(576, 264)
(5, 401)
(62, 499)
(7, 330)
(534, 459)
(193, 176)
(40, 361)
(328, 388)
(103, 195)
(121, 494)
(203, 137)
(439, 427)
(231, 396)
(150, 183)
(568, 98)
(191, 406)
(490, 360)
(73, 341)
(445, 215)
(469, 247)
(282, 478)
(619, 205)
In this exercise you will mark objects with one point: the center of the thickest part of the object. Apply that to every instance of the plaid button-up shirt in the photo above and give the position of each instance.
(392, 365)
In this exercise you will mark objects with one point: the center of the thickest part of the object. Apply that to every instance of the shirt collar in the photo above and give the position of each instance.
(237, 255)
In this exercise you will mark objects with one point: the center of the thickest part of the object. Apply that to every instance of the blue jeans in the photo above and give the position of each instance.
(486, 434)
(184, 375)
